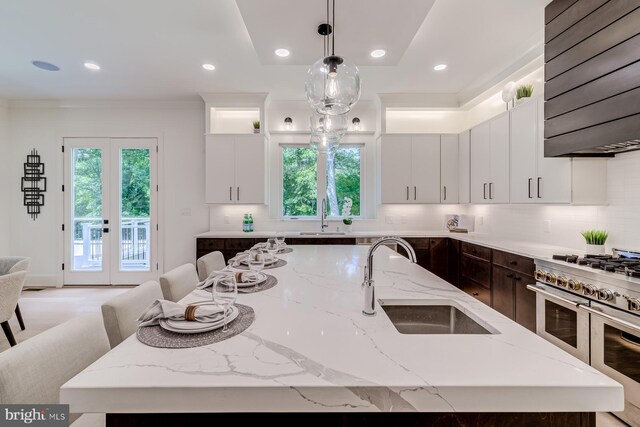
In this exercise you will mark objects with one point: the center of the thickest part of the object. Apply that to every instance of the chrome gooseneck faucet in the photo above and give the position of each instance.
(323, 215)
(369, 284)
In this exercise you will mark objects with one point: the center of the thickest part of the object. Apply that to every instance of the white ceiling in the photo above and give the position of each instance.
(154, 49)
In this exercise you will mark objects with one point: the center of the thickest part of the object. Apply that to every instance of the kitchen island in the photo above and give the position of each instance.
(311, 350)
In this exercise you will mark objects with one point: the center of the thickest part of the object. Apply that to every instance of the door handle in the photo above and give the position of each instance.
(105, 221)
(529, 185)
(491, 190)
(415, 193)
(105, 230)
(539, 185)
(230, 190)
(445, 192)
(484, 191)
(407, 192)
(611, 318)
(238, 193)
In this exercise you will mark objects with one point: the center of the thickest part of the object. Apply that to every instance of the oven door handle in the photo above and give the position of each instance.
(617, 320)
(548, 294)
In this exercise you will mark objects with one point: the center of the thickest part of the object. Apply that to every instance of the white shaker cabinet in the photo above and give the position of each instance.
(464, 167)
(490, 161)
(534, 178)
(449, 168)
(410, 169)
(235, 169)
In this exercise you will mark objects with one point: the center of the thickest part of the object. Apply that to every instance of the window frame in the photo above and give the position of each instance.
(321, 177)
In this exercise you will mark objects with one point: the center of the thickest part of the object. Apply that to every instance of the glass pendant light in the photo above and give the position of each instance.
(333, 83)
(327, 131)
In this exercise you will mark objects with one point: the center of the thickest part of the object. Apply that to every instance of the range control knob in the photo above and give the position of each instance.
(562, 281)
(574, 285)
(589, 290)
(540, 275)
(550, 278)
(634, 304)
(605, 295)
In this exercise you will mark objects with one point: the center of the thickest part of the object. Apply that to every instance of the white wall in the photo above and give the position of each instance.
(299, 111)
(42, 125)
(5, 179)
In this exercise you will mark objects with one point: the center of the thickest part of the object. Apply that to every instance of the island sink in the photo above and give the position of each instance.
(322, 233)
(431, 317)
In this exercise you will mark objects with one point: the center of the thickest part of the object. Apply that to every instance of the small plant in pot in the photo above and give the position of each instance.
(346, 214)
(595, 240)
(523, 92)
(256, 126)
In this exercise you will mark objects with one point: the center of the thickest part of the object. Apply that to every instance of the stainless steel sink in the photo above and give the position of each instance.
(326, 233)
(432, 317)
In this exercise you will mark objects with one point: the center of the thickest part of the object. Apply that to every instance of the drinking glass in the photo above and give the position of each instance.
(272, 246)
(224, 294)
(280, 240)
(255, 261)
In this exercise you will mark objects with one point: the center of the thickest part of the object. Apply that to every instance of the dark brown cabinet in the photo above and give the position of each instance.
(525, 302)
(439, 257)
(509, 294)
(502, 291)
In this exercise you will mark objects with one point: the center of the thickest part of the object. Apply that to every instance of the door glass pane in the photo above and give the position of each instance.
(343, 180)
(86, 205)
(299, 181)
(135, 212)
(622, 352)
(561, 322)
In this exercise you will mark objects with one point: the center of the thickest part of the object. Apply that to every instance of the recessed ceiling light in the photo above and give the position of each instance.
(440, 67)
(45, 65)
(91, 66)
(282, 53)
(378, 53)
(209, 67)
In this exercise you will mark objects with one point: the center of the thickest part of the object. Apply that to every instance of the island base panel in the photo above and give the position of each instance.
(547, 419)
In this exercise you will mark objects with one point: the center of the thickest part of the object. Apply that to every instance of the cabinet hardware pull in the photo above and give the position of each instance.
(529, 187)
(539, 185)
(513, 262)
(491, 190)
(230, 190)
(407, 192)
(484, 191)
(415, 193)
(238, 193)
(509, 276)
(475, 294)
(445, 192)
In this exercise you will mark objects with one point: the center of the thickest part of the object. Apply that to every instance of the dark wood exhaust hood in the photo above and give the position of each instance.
(592, 77)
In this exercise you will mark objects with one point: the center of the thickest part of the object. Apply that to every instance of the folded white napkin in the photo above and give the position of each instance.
(241, 258)
(261, 245)
(163, 309)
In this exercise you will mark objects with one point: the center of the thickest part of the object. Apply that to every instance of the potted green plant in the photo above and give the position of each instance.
(523, 92)
(256, 126)
(595, 240)
(346, 214)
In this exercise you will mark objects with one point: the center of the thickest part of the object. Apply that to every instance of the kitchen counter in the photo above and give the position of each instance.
(310, 350)
(528, 249)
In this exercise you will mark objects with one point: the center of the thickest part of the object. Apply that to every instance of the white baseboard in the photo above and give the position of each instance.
(41, 280)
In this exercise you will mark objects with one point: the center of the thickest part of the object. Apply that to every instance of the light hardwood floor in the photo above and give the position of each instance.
(46, 308)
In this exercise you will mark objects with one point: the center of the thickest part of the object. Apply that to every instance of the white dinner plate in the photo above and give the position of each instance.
(261, 279)
(189, 327)
(266, 263)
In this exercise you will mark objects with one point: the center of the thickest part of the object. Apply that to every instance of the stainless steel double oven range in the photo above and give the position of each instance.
(590, 307)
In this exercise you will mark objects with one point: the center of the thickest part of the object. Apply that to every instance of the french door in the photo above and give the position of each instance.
(110, 204)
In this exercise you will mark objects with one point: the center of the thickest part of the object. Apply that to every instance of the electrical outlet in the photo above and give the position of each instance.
(388, 219)
(226, 219)
(403, 219)
(546, 225)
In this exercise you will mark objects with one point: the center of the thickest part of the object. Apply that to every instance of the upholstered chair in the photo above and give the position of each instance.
(10, 288)
(34, 371)
(121, 313)
(179, 282)
(212, 261)
(11, 264)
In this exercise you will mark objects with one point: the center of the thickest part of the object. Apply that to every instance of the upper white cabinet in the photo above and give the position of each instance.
(449, 168)
(235, 169)
(410, 169)
(490, 161)
(535, 178)
(464, 167)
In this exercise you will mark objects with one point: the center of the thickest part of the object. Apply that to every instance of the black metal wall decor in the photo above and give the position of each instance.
(34, 184)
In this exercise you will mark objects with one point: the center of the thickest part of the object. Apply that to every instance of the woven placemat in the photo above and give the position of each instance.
(267, 284)
(156, 336)
(279, 263)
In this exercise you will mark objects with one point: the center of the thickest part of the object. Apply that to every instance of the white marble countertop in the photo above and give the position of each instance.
(311, 349)
(516, 246)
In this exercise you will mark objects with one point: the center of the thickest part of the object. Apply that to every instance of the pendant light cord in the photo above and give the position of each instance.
(333, 32)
